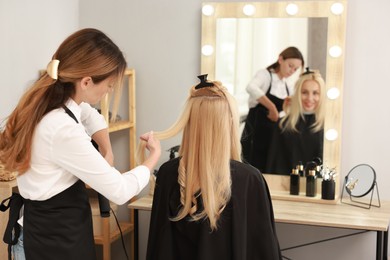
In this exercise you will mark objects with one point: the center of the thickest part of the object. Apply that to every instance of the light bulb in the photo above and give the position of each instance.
(207, 10)
(333, 93)
(207, 50)
(292, 9)
(331, 134)
(249, 10)
(337, 8)
(335, 51)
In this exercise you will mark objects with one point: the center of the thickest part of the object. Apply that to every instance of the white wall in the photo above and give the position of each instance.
(30, 32)
(161, 40)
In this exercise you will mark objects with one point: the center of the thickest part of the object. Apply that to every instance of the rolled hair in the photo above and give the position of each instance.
(295, 111)
(87, 52)
(288, 53)
(210, 125)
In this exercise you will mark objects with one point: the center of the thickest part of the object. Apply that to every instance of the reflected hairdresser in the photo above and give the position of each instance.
(267, 91)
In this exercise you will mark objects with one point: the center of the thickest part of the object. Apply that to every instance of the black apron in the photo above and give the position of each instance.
(61, 227)
(256, 136)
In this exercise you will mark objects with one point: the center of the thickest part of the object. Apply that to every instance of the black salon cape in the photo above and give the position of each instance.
(246, 228)
(288, 148)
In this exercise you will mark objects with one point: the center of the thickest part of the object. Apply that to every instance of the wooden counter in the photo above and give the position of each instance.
(336, 215)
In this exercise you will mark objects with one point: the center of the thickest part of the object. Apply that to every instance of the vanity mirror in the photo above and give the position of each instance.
(359, 183)
(232, 34)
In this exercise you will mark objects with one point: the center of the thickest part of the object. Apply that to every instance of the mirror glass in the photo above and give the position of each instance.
(243, 46)
(360, 180)
(241, 38)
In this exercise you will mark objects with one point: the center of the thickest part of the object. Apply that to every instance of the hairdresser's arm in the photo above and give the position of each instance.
(102, 139)
(273, 114)
(91, 119)
(259, 84)
(72, 150)
(257, 89)
(96, 127)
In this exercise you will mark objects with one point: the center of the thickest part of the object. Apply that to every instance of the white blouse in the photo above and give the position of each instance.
(260, 83)
(62, 154)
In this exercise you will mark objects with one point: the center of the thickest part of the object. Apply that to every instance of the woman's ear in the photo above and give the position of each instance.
(86, 82)
(280, 59)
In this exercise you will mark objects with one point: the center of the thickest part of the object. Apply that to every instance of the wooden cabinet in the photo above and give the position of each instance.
(109, 107)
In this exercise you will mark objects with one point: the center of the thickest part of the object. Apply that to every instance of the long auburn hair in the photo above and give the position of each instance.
(295, 110)
(210, 125)
(87, 52)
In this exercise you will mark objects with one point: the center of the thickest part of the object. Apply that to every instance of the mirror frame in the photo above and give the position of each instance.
(279, 184)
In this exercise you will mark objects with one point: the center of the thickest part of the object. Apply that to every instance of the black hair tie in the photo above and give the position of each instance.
(308, 71)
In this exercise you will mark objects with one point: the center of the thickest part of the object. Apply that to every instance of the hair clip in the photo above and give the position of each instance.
(308, 71)
(203, 82)
(52, 69)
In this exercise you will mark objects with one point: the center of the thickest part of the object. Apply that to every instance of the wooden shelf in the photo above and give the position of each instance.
(126, 228)
(120, 125)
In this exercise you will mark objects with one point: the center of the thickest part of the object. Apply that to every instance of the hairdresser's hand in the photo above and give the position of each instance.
(273, 114)
(286, 103)
(154, 148)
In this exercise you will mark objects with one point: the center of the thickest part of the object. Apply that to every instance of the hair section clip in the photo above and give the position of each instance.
(203, 82)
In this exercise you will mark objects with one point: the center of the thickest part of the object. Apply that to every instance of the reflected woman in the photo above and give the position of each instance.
(267, 91)
(299, 135)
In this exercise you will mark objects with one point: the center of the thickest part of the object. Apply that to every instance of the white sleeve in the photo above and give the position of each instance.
(71, 149)
(259, 85)
(91, 119)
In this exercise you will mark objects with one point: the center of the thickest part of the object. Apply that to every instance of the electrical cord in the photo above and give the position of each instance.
(120, 230)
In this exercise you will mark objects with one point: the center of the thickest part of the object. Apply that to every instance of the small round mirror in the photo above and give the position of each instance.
(360, 180)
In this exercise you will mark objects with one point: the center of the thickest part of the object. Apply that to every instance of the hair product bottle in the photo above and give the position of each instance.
(311, 183)
(328, 189)
(294, 182)
(301, 169)
(318, 163)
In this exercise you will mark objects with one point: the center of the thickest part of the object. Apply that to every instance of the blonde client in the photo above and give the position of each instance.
(299, 135)
(208, 204)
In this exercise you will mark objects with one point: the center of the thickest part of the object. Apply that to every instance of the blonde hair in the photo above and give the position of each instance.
(210, 125)
(295, 110)
(87, 52)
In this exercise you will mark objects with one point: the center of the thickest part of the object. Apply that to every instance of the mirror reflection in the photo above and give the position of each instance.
(297, 138)
(268, 90)
(246, 39)
(245, 45)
